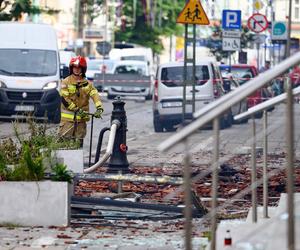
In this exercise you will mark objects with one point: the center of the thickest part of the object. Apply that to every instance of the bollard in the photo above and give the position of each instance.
(118, 160)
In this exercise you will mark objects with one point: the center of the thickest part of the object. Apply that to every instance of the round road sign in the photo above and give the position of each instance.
(258, 5)
(257, 23)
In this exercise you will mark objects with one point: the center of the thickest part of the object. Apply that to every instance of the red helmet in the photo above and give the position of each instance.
(78, 61)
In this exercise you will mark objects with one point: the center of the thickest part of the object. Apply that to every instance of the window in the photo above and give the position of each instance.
(173, 76)
(28, 62)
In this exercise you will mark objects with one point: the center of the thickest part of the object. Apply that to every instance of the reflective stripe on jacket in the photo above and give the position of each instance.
(76, 95)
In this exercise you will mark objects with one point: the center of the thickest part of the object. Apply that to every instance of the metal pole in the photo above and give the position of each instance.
(215, 173)
(91, 140)
(184, 74)
(257, 62)
(194, 67)
(272, 21)
(253, 173)
(288, 42)
(265, 173)
(290, 164)
(187, 199)
(229, 53)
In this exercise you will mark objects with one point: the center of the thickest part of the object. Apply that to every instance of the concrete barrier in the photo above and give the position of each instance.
(73, 159)
(43, 203)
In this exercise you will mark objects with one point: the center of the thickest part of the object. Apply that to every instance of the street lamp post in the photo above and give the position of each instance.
(288, 43)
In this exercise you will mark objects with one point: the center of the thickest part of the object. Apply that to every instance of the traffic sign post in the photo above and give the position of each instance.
(231, 19)
(231, 43)
(279, 31)
(192, 13)
(257, 23)
(258, 5)
(231, 25)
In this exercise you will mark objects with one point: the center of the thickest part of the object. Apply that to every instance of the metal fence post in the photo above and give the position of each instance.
(265, 172)
(215, 173)
(290, 164)
(253, 173)
(187, 199)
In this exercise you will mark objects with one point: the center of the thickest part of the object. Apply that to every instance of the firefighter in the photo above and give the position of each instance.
(76, 91)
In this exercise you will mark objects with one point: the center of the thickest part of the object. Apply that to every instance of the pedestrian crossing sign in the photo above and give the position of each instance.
(193, 13)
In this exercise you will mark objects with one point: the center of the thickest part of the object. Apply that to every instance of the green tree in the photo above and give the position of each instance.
(141, 26)
(93, 9)
(13, 10)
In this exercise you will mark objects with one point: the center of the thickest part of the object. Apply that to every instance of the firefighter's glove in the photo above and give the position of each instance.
(82, 113)
(98, 113)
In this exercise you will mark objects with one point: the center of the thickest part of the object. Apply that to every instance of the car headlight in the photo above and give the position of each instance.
(2, 85)
(51, 85)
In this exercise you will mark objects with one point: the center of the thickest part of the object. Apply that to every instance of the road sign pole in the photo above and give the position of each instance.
(229, 55)
(257, 62)
(288, 43)
(194, 67)
(184, 73)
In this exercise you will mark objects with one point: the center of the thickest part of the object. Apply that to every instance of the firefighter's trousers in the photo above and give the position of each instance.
(72, 130)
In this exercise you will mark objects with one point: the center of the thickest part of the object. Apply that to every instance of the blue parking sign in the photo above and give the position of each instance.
(231, 19)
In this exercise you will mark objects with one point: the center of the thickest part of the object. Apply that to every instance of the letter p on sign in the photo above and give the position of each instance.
(231, 19)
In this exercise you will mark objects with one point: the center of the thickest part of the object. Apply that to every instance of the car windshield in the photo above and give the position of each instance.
(173, 76)
(131, 69)
(28, 62)
(97, 65)
(241, 74)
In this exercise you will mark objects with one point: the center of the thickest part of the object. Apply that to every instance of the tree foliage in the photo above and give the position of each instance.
(93, 9)
(13, 10)
(148, 21)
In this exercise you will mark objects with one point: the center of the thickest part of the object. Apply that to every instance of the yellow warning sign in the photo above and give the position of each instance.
(193, 13)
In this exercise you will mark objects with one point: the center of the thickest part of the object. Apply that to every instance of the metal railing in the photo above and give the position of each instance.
(212, 112)
(112, 135)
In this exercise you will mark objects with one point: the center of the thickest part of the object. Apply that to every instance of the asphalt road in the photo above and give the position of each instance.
(142, 141)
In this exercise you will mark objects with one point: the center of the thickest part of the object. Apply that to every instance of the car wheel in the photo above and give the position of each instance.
(258, 115)
(158, 128)
(228, 119)
(169, 128)
(111, 97)
(245, 120)
(222, 122)
(55, 117)
(149, 97)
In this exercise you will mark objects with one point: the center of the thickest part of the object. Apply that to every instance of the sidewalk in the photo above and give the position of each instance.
(133, 235)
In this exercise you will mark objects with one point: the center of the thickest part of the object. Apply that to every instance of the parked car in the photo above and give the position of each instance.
(136, 54)
(129, 78)
(29, 71)
(99, 66)
(168, 93)
(243, 73)
(65, 58)
(229, 84)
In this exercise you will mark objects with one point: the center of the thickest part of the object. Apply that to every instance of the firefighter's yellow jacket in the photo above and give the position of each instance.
(76, 95)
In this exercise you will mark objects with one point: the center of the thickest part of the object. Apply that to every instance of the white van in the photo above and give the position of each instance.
(129, 78)
(168, 93)
(136, 54)
(29, 71)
